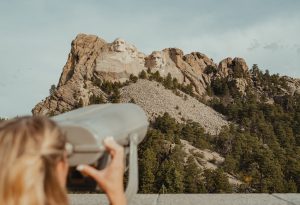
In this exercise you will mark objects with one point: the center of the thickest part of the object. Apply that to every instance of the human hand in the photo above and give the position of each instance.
(110, 179)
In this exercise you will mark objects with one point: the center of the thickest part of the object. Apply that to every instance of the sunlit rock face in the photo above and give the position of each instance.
(160, 61)
(141, 57)
(118, 60)
(293, 85)
(297, 91)
(156, 61)
(119, 45)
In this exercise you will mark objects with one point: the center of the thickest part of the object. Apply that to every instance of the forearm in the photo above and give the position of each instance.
(117, 198)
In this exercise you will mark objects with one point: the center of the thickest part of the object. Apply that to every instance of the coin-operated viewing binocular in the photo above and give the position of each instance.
(87, 127)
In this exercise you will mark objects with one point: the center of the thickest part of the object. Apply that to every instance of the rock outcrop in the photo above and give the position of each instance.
(236, 71)
(75, 83)
(207, 159)
(229, 67)
(293, 85)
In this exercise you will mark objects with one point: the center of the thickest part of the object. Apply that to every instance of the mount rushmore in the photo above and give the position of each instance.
(92, 59)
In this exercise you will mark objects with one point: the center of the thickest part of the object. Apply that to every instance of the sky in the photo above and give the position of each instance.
(36, 35)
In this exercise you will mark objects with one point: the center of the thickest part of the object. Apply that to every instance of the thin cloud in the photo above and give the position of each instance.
(254, 45)
(273, 46)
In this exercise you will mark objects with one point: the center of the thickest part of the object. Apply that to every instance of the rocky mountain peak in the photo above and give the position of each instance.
(92, 61)
(84, 50)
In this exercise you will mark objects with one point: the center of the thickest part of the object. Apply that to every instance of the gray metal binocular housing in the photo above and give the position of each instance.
(87, 127)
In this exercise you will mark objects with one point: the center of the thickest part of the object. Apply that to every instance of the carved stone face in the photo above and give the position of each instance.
(132, 50)
(141, 58)
(157, 59)
(119, 45)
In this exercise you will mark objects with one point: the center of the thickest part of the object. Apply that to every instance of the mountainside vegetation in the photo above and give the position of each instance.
(261, 147)
(165, 168)
(264, 147)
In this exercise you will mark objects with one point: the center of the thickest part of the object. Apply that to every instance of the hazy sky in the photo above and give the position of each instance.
(35, 36)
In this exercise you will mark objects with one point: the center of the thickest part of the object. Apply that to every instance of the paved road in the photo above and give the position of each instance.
(191, 199)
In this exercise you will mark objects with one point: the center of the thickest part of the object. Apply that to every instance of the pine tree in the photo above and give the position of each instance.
(147, 164)
(209, 90)
(133, 78)
(290, 186)
(52, 89)
(166, 124)
(168, 83)
(216, 181)
(115, 97)
(192, 177)
(107, 87)
(143, 75)
(96, 99)
(171, 176)
(230, 164)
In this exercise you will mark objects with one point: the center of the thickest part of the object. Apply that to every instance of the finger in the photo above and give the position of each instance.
(116, 151)
(88, 170)
(113, 147)
(97, 175)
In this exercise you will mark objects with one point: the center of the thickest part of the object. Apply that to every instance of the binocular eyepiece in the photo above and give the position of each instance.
(87, 127)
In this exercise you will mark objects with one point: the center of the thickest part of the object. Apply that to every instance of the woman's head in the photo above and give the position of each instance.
(33, 165)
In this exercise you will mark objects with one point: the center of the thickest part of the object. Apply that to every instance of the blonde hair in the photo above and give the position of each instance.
(30, 148)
